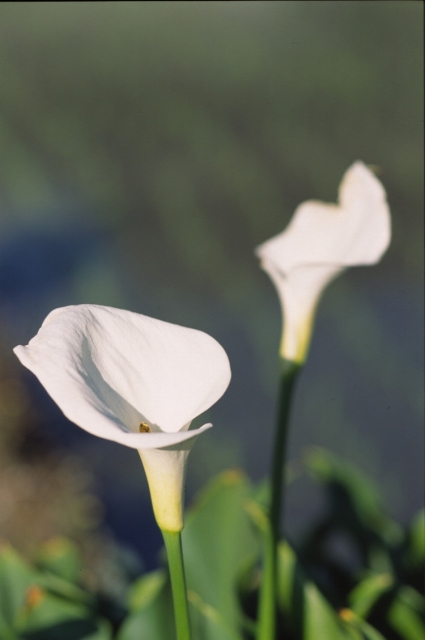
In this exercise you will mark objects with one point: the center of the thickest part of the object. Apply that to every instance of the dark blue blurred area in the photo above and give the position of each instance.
(38, 264)
(33, 261)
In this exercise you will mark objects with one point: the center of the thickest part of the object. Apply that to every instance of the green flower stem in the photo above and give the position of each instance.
(173, 545)
(266, 629)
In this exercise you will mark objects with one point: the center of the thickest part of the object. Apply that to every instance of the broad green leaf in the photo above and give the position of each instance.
(45, 616)
(358, 628)
(366, 594)
(64, 589)
(302, 603)
(154, 621)
(16, 577)
(217, 540)
(144, 590)
(72, 630)
(6, 633)
(206, 622)
(61, 557)
(29, 611)
(407, 614)
(42, 609)
(369, 632)
(353, 634)
(320, 620)
(417, 539)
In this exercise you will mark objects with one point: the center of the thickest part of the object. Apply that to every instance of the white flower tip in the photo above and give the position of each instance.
(363, 195)
(360, 181)
(21, 353)
(363, 173)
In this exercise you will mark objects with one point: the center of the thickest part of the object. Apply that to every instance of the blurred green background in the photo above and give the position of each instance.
(146, 149)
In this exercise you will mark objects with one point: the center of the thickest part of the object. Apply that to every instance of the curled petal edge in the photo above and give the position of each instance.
(155, 440)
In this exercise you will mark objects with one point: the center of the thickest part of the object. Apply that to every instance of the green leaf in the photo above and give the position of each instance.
(72, 630)
(406, 609)
(417, 539)
(146, 589)
(367, 593)
(6, 633)
(320, 620)
(61, 557)
(369, 632)
(42, 609)
(29, 611)
(407, 614)
(217, 540)
(154, 621)
(16, 577)
(301, 602)
(64, 589)
(46, 616)
(206, 622)
(358, 628)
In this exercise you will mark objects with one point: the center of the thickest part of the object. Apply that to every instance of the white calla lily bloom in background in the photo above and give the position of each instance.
(320, 241)
(134, 380)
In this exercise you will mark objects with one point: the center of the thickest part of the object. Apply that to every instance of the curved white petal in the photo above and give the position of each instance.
(320, 241)
(109, 370)
(356, 231)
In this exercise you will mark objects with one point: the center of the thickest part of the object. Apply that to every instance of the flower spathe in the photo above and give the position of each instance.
(135, 380)
(320, 241)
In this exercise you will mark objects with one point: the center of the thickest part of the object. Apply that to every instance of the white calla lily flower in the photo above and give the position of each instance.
(134, 380)
(320, 241)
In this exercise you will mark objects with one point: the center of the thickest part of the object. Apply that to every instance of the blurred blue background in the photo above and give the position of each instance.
(146, 149)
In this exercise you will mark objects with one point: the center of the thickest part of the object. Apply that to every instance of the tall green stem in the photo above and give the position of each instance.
(173, 545)
(268, 593)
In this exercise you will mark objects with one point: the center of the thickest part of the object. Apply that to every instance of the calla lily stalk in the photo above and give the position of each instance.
(319, 243)
(134, 380)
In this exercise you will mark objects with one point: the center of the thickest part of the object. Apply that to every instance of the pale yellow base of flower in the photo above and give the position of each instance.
(294, 344)
(165, 471)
